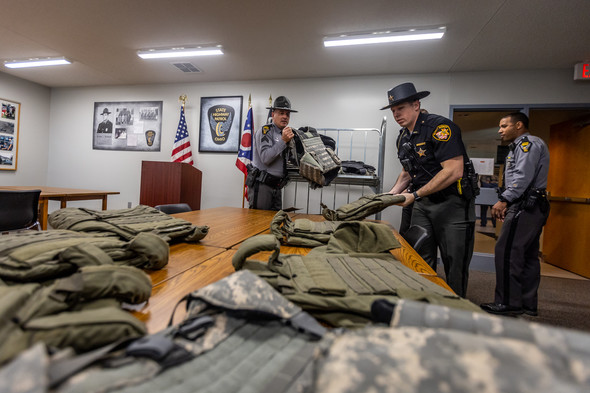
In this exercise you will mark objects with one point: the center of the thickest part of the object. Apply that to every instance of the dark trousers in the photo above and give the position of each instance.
(264, 197)
(518, 271)
(451, 226)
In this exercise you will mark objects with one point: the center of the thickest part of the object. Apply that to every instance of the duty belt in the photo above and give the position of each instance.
(271, 180)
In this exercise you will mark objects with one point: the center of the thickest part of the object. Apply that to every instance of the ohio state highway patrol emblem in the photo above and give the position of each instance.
(525, 146)
(442, 133)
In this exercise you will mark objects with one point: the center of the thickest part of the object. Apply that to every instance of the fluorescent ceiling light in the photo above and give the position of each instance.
(385, 36)
(179, 52)
(49, 61)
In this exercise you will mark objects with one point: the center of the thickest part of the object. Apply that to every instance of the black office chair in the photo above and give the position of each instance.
(19, 210)
(174, 208)
(416, 236)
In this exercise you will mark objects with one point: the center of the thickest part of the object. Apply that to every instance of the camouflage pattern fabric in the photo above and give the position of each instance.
(127, 223)
(363, 207)
(301, 232)
(444, 357)
(45, 255)
(239, 336)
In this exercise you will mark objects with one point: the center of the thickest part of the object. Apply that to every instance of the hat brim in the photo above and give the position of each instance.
(285, 109)
(413, 97)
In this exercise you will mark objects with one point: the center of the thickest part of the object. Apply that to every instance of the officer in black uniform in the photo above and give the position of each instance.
(267, 175)
(524, 208)
(442, 180)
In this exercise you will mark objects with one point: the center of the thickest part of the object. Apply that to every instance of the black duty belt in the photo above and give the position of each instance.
(271, 180)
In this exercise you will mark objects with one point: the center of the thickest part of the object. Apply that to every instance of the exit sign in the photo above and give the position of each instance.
(582, 71)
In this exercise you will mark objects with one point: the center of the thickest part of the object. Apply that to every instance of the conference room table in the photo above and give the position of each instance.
(63, 195)
(194, 265)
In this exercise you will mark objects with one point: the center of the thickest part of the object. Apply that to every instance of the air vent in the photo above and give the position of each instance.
(186, 67)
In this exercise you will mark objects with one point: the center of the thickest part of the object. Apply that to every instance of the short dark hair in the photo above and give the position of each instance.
(516, 117)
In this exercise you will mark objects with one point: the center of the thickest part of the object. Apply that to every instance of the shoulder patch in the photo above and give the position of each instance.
(265, 130)
(442, 133)
(525, 146)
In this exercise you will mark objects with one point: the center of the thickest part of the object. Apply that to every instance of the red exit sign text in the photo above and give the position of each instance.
(582, 71)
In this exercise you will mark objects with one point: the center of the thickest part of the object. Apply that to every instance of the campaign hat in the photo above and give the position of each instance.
(406, 92)
(282, 102)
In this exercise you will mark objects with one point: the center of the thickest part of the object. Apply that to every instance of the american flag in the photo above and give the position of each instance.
(245, 152)
(181, 151)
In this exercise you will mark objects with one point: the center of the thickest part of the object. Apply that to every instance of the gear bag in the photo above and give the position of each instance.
(238, 335)
(313, 155)
(363, 207)
(127, 223)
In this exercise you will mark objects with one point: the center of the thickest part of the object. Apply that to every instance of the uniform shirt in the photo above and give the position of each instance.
(435, 139)
(527, 157)
(268, 148)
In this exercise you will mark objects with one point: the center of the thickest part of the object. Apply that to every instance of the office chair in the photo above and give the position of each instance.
(416, 236)
(174, 208)
(19, 210)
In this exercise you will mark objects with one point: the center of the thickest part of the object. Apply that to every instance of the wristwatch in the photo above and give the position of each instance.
(416, 197)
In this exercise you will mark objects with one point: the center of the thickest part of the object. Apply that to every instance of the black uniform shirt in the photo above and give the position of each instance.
(435, 139)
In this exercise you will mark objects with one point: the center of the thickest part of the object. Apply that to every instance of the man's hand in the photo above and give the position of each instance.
(287, 134)
(499, 210)
(409, 199)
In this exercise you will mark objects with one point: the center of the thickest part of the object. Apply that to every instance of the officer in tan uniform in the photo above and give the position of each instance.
(524, 208)
(268, 175)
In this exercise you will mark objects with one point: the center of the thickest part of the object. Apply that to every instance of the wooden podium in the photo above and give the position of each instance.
(170, 182)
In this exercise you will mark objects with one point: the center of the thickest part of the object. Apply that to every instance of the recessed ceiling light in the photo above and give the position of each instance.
(41, 62)
(385, 36)
(180, 52)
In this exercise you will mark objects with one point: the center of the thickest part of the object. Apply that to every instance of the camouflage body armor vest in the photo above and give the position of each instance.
(431, 348)
(316, 162)
(337, 283)
(301, 232)
(127, 223)
(239, 335)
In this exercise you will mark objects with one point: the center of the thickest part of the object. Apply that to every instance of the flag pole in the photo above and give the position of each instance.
(183, 99)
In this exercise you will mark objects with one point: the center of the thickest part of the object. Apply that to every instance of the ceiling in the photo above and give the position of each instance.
(264, 39)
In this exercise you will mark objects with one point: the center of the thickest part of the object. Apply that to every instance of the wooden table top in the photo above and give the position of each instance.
(195, 265)
(59, 191)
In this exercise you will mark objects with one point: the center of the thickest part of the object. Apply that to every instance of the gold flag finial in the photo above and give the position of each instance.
(270, 100)
(183, 98)
(249, 100)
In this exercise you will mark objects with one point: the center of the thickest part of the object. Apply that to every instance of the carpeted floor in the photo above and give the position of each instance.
(562, 302)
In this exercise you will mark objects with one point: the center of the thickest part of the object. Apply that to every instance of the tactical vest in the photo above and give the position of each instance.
(127, 223)
(239, 335)
(81, 311)
(433, 348)
(337, 283)
(301, 232)
(316, 162)
(46, 255)
(363, 207)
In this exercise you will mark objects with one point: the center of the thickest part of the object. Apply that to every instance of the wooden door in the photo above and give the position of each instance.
(567, 233)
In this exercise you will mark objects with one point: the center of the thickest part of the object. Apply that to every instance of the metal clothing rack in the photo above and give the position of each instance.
(355, 144)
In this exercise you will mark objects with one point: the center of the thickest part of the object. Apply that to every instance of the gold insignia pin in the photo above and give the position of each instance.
(421, 152)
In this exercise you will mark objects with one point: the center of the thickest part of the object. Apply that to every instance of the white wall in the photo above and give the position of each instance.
(33, 131)
(330, 102)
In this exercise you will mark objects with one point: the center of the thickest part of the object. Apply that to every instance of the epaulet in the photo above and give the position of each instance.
(525, 144)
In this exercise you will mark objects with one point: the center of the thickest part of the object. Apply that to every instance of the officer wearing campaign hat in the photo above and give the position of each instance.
(106, 126)
(438, 179)
(268, 175)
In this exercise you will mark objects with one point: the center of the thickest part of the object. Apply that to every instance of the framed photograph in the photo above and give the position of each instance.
(221, 122)
(127, 125)
(9, 122)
